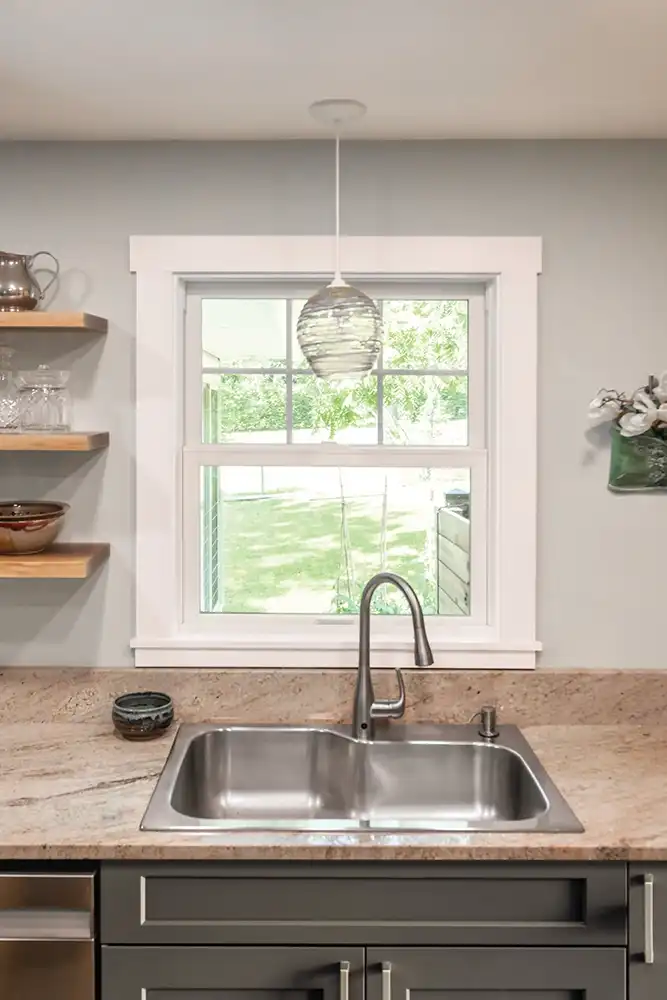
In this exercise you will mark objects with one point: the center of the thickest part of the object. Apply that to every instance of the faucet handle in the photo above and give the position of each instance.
(391, 708)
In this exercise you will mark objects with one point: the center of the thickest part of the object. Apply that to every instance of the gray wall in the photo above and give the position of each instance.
(602, 211)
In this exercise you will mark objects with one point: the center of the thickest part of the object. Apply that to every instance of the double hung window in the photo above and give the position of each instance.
(290, 492)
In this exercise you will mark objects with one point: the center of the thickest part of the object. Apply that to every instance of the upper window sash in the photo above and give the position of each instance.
(475, 371)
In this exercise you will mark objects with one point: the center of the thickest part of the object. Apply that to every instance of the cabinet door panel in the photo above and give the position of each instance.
(329, 903)
(230, 973)
(648, 980)
(496, 974)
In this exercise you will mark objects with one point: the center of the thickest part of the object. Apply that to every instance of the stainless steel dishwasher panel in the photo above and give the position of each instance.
(47, 946)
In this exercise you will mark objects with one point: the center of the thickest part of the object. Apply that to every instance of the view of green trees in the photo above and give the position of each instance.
(433, 336)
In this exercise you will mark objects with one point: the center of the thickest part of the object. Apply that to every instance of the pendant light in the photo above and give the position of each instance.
(339, 328)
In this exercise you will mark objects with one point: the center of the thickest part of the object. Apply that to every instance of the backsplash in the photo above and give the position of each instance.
(542, 697)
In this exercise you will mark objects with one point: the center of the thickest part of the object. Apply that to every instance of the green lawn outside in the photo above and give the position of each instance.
(283, 555)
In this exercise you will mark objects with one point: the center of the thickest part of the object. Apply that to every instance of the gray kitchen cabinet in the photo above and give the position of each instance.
(647, 959)
(495, 974)
(232, 973)
(364, 931)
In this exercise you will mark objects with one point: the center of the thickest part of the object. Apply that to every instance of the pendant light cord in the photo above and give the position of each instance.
(338, 278)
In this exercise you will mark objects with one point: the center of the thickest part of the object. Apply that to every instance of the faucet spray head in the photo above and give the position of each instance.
(423, 652)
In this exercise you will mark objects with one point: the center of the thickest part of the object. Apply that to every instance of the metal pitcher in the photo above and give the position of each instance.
(19, 288)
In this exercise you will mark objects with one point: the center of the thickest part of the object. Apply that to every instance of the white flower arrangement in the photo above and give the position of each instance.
(643, 412)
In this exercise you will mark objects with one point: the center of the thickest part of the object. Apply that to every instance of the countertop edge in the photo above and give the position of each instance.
(407, 852)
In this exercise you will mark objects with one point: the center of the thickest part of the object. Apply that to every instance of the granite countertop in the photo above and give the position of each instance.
(75, 790)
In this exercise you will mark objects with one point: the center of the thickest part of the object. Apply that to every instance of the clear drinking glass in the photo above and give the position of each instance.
(44, 400)
(9, 396)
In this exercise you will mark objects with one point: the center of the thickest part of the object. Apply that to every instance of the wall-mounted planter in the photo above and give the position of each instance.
(637, 463)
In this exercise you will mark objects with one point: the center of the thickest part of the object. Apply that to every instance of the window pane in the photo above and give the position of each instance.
(426, 334)
(244, 408)
(322, 412)
(243, 333)
(304, 540)
(425, 409)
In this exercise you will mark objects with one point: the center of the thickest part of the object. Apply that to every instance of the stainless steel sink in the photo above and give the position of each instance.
(418, 777)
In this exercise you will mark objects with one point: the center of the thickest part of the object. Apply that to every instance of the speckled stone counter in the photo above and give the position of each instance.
(74, 790)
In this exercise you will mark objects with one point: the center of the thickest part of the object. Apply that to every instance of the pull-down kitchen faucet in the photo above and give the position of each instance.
(366, 708)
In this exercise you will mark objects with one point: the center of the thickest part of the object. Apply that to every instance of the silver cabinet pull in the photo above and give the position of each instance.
(386, 981)
(46, 925)
(344, 981)
(649, 948)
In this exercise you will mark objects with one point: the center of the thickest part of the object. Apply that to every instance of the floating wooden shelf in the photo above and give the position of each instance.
(34, 320)
(74, 561)
(73, 441)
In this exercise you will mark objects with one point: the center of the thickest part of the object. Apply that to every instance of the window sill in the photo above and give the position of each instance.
(298, 653)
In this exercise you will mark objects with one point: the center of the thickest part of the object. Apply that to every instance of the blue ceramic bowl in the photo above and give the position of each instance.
(142, 715)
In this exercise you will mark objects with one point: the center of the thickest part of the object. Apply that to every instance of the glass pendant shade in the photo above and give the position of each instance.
(340, 332)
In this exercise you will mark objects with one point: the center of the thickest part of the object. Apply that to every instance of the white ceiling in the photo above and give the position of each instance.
(248, 69)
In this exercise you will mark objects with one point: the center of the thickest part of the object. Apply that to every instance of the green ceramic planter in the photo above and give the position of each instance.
(637, 463)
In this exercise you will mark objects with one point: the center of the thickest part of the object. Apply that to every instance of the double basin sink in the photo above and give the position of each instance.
(309, 779)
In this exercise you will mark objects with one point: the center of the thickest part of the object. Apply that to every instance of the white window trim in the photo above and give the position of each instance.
(508, 266)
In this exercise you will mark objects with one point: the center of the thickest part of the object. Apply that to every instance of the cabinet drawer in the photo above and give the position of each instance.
(364, 904)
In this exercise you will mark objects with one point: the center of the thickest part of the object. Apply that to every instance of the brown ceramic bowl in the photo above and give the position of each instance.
(28, 527)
